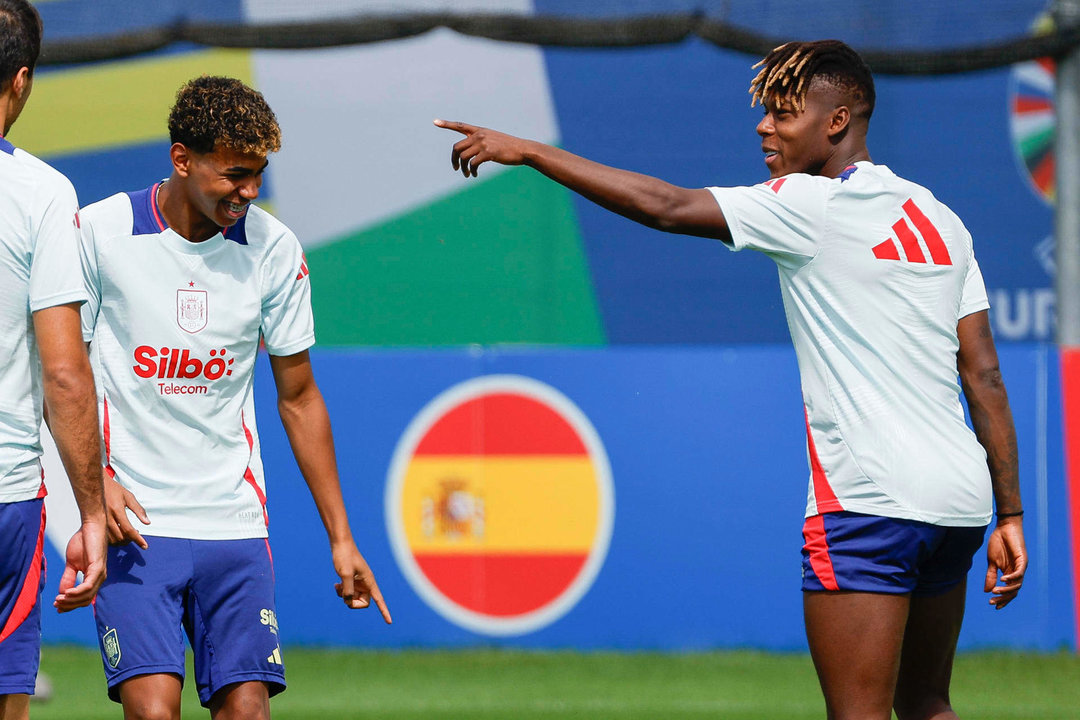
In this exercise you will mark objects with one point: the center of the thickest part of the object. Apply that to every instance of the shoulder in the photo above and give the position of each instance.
(796, 183)
(262, 232)
(47, 182)
(110, 216)
(797, 190)
(871, 179)
(924, 199)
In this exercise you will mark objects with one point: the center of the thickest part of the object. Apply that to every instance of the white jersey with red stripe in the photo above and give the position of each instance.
(874, 273)
(174, 328)
(40, 267)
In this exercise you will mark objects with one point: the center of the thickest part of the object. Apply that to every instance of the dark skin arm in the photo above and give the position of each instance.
(307, 423)
(641, 198)
(991, 417)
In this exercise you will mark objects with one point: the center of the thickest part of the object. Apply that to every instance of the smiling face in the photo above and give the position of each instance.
(802, 140)
(221, 184)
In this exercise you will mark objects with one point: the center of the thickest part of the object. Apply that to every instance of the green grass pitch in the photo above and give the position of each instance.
(490, 684)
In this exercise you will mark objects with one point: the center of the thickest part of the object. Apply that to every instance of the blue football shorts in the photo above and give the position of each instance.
(22, 576)
(867, 553)
(220, 593)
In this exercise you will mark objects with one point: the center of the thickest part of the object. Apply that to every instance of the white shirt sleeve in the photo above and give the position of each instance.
(783, 218)
(91, 280)
(974, 297)
(288, 325)
(56, 276)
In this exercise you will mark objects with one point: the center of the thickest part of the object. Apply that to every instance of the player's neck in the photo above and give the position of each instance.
(7, 110)
(181, 216)
(841, 161)
(13, 98)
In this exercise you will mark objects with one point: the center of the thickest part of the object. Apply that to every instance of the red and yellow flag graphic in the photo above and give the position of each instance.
(502, 499)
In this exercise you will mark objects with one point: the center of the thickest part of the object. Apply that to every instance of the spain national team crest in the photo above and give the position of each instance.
(111, 644)
(191, 310)
(499, 504)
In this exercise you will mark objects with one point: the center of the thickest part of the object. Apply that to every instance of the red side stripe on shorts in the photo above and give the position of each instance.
(250, 476)
(28, 594)
(817, 545)
(823, 492)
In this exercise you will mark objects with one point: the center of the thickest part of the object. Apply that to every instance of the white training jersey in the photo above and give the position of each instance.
(875, 273)
(174, 328)
(39, 268)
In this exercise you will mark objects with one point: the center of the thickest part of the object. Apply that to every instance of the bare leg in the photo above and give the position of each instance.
(855, 641)
(922, 689)
(15, 706)
(151, 697)
(241, 701)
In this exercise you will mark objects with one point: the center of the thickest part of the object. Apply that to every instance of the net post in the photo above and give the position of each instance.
(1067, 182)
(1066, 14)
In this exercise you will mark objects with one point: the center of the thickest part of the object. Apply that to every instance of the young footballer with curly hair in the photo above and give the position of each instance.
(887, 308)
(186, 276)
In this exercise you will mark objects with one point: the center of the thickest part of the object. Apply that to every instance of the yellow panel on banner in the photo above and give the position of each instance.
(114, 104)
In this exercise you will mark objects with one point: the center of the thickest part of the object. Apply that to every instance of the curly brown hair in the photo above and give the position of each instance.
(214, 112)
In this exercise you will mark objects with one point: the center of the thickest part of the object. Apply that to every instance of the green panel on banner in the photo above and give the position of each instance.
(499, 262)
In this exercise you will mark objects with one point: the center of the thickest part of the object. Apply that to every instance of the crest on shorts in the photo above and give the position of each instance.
(111, 644)
(191, 310)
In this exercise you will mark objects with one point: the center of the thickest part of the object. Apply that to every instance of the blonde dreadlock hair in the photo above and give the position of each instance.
(789, 70)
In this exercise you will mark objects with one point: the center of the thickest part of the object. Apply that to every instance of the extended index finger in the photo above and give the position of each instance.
(381, 604)
(463, 128)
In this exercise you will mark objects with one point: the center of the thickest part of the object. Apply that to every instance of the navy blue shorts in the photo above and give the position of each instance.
(219, 592)
(866, 553)
(22, 576)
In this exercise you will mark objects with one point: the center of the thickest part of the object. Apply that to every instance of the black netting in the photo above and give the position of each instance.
(909, 38)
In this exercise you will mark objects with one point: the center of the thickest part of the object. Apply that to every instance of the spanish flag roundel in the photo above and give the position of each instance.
(499, 504)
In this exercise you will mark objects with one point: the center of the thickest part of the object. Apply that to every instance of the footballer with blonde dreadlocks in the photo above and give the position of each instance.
(886, 306)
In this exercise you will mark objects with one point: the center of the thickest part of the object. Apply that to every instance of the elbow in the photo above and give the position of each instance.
(293, 407)
(985, 387)
(67, 380)
(666, 215)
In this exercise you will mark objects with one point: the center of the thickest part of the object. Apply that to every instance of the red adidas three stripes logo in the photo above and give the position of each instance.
(939, 254)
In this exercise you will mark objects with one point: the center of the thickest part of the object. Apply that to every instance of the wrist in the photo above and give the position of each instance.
(1012, 514)
(530, 152)
(339, 539)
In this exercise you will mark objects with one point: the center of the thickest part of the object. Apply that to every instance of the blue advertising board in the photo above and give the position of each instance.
(707, 456)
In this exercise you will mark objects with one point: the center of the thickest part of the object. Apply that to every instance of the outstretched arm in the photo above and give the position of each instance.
(303, 413)
(71, 408)
(641, 198)
(991, 417)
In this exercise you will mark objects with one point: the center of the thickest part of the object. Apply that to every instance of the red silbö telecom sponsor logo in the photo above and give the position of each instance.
(499, 504)
(180, 364)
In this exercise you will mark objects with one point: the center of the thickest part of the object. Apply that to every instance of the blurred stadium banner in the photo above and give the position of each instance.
(673, 349)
